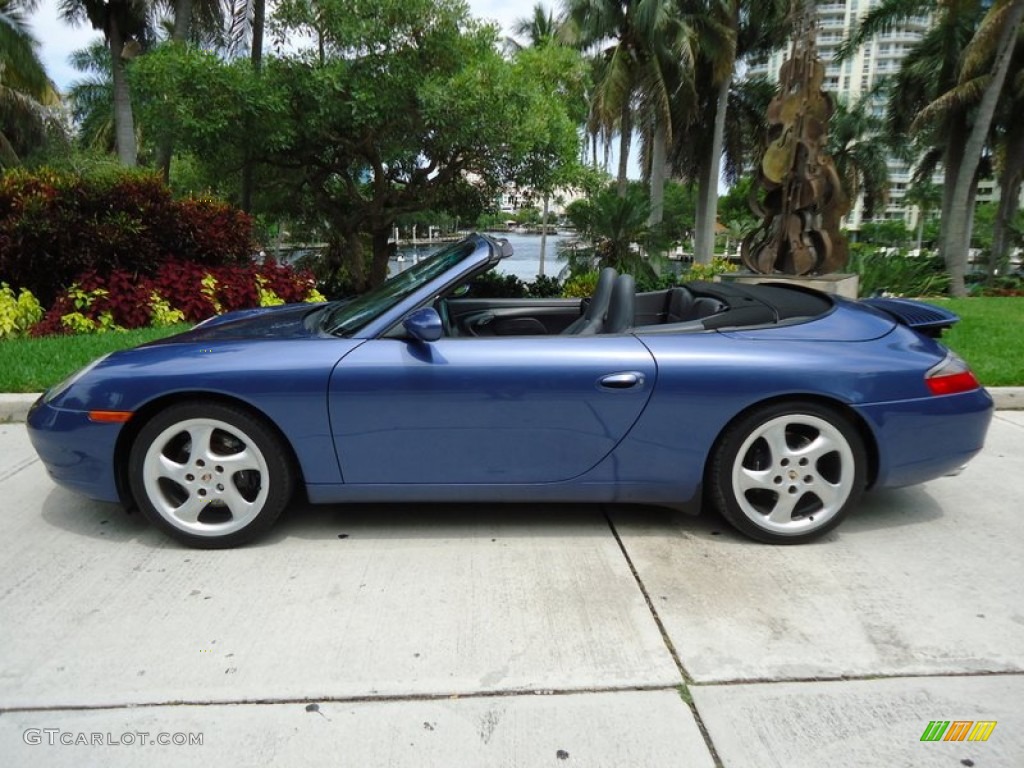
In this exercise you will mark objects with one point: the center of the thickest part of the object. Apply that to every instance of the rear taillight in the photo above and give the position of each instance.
(950, 376)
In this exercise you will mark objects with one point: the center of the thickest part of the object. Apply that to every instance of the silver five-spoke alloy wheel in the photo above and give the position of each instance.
(788, 473)
(206, 476)
(210, 474)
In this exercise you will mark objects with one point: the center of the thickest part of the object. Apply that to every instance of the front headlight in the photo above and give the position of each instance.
(59, 389)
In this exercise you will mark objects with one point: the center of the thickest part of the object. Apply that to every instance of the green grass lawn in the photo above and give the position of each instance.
(32, 365)
(990, 337)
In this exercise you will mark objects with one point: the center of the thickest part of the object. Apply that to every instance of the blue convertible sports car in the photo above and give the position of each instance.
(777, 405)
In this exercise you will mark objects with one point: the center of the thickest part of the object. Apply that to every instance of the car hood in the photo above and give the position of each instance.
(288, 321)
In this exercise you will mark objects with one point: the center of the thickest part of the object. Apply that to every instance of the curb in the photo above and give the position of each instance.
(14, 408)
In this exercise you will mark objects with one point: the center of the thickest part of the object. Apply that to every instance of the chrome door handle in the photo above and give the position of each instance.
(621, 380)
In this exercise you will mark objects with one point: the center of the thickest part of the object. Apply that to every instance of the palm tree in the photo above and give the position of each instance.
(1002, 22)
(731, 30)
(616, 227)
(859, 151)
(92, 97)
(946, 95)
(926, 196)
(126, 27)
(25, 88)
(539, 29)
(634, 38)
(1009, 140)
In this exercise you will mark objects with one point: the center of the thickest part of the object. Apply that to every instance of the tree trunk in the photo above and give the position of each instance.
(1009, 190)
(957, 241)
(952, 159)
(259, 15)
(381, 254)
(658, 152)
(544, 233)
(347, 252)
(124, 121)
(625, 137)
(182, 27)
(707, 192)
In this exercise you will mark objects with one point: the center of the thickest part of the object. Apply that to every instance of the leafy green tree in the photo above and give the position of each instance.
(927, 197)
(680, 211)
(889, 233)
(412, 108)
(546, 169)
(734, 205)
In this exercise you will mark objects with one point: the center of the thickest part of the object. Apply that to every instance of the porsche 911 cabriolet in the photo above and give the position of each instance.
(777, 405)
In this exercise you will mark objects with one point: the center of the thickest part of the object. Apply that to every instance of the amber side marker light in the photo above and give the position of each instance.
(110, 417)
(951, 376)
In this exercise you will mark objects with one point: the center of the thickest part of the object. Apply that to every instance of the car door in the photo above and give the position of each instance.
(485, 410)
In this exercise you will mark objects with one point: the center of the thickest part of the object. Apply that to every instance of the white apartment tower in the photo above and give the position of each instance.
(856, 76)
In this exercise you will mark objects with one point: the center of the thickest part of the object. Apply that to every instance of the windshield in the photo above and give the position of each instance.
(350, 316)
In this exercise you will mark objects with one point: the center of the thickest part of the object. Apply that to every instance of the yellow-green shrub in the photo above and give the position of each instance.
(163, 315)
(580, 286)
(707, 272)
(17, 313)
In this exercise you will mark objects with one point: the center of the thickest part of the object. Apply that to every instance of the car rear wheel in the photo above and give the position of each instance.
(210, 474)
(789, 472)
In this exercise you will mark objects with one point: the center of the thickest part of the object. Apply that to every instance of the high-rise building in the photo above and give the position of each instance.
(855, 78)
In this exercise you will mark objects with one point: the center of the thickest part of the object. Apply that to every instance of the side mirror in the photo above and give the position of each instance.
(423, 324)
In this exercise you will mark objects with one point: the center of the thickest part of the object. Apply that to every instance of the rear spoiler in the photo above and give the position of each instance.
(926, 318)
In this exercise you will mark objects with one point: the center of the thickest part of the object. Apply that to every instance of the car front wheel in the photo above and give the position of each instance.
(789, 472)
(210, 474)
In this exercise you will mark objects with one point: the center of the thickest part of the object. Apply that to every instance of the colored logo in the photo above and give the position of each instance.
(958, 730)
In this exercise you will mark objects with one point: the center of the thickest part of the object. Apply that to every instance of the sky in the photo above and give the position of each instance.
(58, 39)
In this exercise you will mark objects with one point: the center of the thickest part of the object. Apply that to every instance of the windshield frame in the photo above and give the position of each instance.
(368, 315)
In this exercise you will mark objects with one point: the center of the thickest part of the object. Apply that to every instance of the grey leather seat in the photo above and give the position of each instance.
(683, 305)
(593, 317)
(622, 308)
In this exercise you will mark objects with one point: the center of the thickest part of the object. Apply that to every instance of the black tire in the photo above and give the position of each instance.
(224, 492)
(788, 473)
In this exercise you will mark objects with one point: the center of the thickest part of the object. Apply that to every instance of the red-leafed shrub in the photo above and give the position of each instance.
(56, 226)
(93, 302)
(287, 283)
(181, 283)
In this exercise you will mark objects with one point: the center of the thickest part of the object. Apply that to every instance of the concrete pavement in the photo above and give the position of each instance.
(515, 635)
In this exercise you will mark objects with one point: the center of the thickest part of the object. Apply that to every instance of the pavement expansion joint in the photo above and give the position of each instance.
(328, 699)
(24, 464)
(856, 678)
(687, 680)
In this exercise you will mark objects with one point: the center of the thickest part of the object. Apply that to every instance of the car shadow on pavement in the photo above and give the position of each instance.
(877, 510)
(888, 509)
(437, 521)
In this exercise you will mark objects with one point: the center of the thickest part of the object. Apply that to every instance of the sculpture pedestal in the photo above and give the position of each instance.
(844, 285)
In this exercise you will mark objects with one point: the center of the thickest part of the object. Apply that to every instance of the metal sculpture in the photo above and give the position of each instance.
(797, 193)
